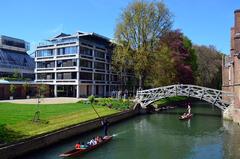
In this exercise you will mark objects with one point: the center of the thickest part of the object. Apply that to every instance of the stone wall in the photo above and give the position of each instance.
(23, 147)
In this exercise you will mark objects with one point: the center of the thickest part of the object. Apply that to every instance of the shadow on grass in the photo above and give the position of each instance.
(7, 135)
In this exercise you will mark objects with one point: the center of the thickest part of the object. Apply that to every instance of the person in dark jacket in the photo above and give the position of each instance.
(105, 124)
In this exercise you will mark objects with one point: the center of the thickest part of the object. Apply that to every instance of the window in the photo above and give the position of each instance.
(44, 76)
(85, 63)
(114, 78)
(100, 77)
(99, 65)
(99, 54)
(43, 53)
(67, 50)
(46, 64)
(67, 63)
(67, 75)
(86, 51)
(85, 76)
(13, 43)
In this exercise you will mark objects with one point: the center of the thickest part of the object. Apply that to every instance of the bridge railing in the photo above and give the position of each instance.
(217, 97)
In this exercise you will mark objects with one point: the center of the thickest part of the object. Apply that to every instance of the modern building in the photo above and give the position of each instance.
(14, 58)
(77, 65)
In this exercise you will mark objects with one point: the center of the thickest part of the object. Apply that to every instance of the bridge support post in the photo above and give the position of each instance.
(227, 114)
(232, 113)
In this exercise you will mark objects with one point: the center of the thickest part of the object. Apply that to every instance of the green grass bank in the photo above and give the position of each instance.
(16, 119)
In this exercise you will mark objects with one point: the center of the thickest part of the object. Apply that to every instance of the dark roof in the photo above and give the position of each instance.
(13, 59)
(238, 10)
(62, 35)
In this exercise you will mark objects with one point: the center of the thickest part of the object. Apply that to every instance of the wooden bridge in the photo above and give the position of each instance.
(218, 98)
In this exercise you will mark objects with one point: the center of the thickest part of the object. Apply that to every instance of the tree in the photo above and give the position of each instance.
(42, 90)
(16, 75)
(26, 87)
(162, 70)
(141, 25)
(12, 89)
(209, 72)
(182, 55)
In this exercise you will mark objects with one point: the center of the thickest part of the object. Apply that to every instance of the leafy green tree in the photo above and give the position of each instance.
(26, 87)
(42, 90)
(182, 55)
(16, 75)
(12, 89)
(137, 33)
(162, 70)
(209, 71)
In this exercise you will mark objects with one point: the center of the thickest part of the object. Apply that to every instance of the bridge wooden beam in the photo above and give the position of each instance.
(148, 96)
(189, 91)
(176, 90)
(216, 99)
(202, 94)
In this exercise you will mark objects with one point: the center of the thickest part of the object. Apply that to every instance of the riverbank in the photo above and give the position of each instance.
(58, 121)
(16, 120)
(37, 142)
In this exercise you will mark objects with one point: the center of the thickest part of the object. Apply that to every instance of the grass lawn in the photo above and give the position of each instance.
(16, 119)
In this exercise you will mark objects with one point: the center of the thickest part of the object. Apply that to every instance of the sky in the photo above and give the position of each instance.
(205, 22)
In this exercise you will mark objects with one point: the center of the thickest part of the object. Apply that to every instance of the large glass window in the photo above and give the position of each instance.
(114, 78)
(86, 51)
(100, 77)
(67, 50)
(85, 76)
(46, 64)
(67, 63)
(85, 63)
(42, 53)
(13, 43)
(67, 75)
(99, 54)
(45, 76)
(99, 65)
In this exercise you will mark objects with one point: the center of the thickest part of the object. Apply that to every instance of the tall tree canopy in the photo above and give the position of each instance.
(140, 26)
(175, 61)
(209, 72)
(182, 54)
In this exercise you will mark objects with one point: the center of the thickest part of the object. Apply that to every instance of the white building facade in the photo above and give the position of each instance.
(76, 65)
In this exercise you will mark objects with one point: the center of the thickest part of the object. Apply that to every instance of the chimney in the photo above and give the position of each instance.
(237, 20)
(232, 40)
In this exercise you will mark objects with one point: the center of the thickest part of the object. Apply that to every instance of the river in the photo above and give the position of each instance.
(162, 136)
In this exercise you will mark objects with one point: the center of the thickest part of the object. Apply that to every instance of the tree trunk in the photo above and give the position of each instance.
(140, 82)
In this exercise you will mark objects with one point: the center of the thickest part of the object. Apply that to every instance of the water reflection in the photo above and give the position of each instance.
(231, 140)
(162, 136)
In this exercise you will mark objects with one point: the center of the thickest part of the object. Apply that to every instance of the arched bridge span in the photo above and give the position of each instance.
(218, 98)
